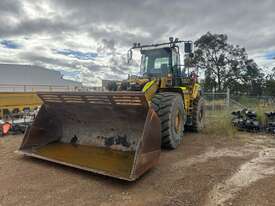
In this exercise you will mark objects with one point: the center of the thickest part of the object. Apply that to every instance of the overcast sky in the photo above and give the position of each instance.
(87, 39)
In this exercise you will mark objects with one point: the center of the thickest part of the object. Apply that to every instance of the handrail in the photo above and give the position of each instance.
(37, 87)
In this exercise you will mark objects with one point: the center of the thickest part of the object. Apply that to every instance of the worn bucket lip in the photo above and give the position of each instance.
(99, 93)
(30, 154)
(107, 93)
(112, 99)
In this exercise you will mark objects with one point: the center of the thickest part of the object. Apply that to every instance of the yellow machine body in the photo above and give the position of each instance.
(189, 92)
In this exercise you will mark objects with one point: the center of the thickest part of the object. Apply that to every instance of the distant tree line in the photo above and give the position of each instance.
(228, 66)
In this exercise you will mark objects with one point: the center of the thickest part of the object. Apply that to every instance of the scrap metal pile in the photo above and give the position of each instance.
(16, 124)
(247, 120)
(270, 122)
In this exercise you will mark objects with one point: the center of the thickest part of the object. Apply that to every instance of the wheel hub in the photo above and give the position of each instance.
(178, 122)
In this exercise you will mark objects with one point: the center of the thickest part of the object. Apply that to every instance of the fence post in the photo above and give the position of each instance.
(213, 99)
(227, 98)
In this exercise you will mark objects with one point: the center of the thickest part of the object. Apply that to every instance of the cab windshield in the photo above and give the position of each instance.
(155, 62)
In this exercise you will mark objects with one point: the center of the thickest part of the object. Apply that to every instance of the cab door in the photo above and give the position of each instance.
(176, 68)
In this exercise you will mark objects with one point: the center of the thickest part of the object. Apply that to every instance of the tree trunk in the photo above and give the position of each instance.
(219, 79)
(219, 84)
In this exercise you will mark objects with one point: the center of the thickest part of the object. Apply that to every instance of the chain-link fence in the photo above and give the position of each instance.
(221, 103)
(254, 101)
(216, 102)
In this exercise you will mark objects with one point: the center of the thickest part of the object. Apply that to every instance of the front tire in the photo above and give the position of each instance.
(170, 109)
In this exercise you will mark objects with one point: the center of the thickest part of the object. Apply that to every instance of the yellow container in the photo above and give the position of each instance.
(11, 101)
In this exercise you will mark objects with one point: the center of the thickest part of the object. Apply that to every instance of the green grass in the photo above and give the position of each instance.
(260, 111)
(248, 102)
(219, 124)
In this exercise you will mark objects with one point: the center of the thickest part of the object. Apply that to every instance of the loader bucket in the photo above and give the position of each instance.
(111, 133)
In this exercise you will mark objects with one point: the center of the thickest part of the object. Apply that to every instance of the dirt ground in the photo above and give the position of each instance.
(204, 170)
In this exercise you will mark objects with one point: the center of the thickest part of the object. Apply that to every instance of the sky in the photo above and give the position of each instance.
(87, 40)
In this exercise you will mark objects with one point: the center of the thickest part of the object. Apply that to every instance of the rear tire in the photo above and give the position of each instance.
(170, 109)
(198, 115)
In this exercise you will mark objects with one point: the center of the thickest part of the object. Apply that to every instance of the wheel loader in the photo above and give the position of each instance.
(119, 133)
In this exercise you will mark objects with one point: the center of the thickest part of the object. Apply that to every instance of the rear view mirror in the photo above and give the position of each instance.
(188, 47)
(129, 56)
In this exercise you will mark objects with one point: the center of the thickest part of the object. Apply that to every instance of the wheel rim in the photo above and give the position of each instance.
(178, 121)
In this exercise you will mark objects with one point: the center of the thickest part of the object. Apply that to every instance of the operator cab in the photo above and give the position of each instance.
(160, 62)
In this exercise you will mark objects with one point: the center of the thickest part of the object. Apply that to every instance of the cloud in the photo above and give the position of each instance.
(10, 7)
(106, 46)
(92, 37)
(29, 27)
(77, 54)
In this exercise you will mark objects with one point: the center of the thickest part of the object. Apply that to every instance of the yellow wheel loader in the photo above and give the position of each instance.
(120, 133)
